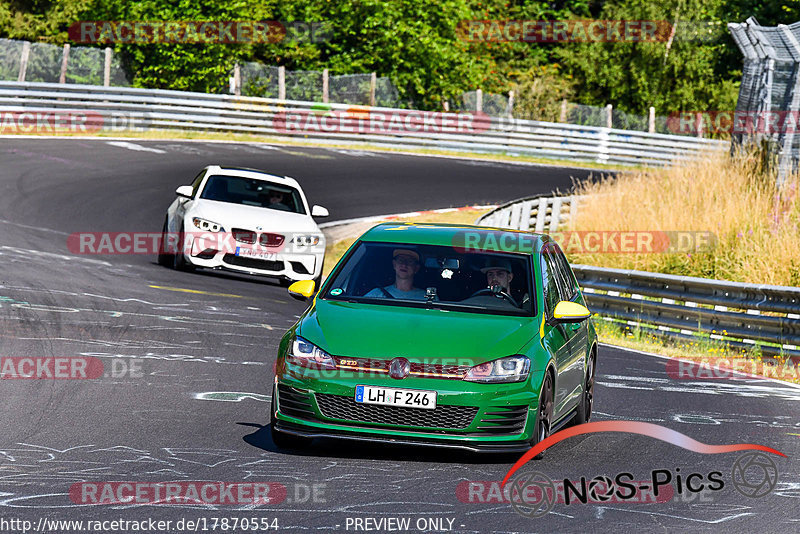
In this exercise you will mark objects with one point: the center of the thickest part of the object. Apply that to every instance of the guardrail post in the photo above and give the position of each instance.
(325, 87)
(107, 67)
(237, 80)
(478, 101)
(563, 116)
(62, 78)
(281, 83)
(373, 82)
(609, 112)
(23, 61)
(511, 104)
(651, 120)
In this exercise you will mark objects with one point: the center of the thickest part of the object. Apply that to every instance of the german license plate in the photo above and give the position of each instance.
(250, 253)
(408, 398)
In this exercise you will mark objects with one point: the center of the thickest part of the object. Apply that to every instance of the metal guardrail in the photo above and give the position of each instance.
(177, 110)
(538, 213)
(744, 315)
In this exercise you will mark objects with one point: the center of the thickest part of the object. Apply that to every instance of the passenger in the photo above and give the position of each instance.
(406, 265)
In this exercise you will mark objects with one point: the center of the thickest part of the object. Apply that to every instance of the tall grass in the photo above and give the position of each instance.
(757, 227)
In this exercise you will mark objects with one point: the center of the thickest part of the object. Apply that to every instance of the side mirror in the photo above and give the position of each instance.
(319, 211)
(184, 191)
(302, 290)
(570, 312)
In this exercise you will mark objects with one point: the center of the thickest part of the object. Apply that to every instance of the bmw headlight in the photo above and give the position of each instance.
(306, 240)
(207, 226)
(510, 369)
(309, 355)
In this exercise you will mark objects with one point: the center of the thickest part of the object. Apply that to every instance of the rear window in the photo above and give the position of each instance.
(252, 192)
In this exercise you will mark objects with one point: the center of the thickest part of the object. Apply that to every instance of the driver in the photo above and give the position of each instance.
(406, 264)
(276, 200)
(498, 273)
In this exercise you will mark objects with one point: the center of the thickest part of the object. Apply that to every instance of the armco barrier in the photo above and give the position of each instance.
(745, 315)
(177, 110)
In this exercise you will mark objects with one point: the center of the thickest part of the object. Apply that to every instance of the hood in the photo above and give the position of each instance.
(384, 332)
(249, 217)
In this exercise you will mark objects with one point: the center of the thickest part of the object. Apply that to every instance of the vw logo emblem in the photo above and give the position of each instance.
(399, 368)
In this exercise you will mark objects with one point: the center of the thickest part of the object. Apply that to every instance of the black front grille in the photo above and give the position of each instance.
(346, 408)
(503, 420)
(294, 402)
(253, 263)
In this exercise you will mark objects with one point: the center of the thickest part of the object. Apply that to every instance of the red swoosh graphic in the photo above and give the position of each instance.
(635, 427)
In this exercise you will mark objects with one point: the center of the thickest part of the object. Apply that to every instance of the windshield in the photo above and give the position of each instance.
(435, 276)
(252, 192)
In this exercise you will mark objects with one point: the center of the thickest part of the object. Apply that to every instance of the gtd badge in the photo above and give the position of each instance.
(399, 368)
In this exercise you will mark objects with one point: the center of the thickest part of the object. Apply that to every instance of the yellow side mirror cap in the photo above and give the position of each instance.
(302, 290)
(570, 312)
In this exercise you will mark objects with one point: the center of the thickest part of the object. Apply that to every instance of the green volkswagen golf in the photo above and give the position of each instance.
(438, 335)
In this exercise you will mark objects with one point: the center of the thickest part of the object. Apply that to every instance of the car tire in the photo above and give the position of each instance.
(164, 258)
(179, 262)
(544, 413)
(587, 395)
(281, 439)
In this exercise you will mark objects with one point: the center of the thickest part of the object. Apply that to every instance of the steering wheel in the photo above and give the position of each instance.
(489, 291)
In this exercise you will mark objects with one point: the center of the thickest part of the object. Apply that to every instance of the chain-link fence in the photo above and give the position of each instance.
(43, 62)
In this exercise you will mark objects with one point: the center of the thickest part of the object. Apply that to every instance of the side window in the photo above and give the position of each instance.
(566, 274)
(549, 282)
(196, 183)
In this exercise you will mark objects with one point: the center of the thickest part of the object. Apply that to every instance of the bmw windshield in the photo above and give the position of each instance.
(444, 277)
(252, 192)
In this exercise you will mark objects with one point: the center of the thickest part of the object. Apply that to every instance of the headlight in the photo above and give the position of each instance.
(208, 226)
(510, 369)
(309, 355)
(306, 240)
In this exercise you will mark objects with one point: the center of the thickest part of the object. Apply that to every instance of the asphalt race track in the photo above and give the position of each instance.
(188, 374)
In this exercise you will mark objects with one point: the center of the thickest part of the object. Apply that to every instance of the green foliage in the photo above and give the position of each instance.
(417, 44)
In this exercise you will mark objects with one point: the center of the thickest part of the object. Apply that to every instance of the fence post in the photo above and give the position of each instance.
(325, 87)
(62, 78)
(609, 111)
(445, 105)
(651, 120)
(510, 104)
(478, 101)
(563, 116)
(281, 83)
(107, 67)
(23, 60)
(698, 122)
(237, 80)
(373, 82)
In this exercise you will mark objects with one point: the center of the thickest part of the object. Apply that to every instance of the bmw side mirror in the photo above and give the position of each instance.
(184, 191)
(302, 290)
(319, 211)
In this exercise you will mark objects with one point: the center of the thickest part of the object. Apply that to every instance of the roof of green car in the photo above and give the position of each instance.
(433, 233)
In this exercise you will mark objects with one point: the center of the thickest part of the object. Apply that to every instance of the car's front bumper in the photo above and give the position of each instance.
(296, 265)
(475, 417)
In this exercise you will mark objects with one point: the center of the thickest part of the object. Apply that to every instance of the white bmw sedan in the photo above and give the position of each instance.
(247, 221)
